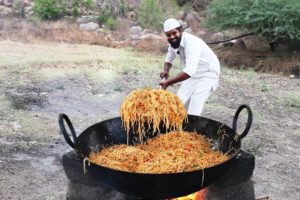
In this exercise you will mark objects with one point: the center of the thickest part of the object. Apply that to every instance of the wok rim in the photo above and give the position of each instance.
(232, 156)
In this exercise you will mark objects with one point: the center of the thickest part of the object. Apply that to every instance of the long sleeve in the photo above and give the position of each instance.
(170, 55)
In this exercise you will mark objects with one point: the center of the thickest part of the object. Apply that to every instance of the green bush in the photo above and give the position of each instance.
(275, 20)
(88, 4)
(150, 14)
(75, 11)
(49, 9)
(103, 17)
(109, 12)
(111, 23)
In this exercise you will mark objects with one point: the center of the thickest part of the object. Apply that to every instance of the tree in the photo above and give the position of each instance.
(150, 14)
(49, 9)
(275, 20)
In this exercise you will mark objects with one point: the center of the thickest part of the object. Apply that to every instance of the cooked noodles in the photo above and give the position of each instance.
(174, 152)
(152, 106)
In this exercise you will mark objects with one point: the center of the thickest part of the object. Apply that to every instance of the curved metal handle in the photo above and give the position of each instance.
(249, 121)
(61, 119)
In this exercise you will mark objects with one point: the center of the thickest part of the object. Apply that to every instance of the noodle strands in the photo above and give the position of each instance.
(152, 106)
(174, 152)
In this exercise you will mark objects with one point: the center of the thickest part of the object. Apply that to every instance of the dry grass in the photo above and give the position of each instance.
(59, 24)
(257, 55)
(261, 61)
(291, 99)
(59, 31)
(60, 55)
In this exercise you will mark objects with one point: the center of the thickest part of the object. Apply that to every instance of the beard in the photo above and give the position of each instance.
(175, 42)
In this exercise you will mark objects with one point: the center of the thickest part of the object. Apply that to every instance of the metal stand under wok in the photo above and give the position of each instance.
(235, 184)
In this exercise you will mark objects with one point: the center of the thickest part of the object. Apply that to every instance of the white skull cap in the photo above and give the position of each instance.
(170, 24)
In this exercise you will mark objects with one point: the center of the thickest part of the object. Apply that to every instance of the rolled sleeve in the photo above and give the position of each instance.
(170, 55)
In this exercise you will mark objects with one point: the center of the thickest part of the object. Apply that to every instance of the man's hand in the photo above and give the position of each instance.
(164, 84)
(164, 75)
(181, 76)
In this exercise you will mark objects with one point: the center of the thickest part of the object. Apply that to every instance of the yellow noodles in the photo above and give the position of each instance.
(152, 106)
(173, 152)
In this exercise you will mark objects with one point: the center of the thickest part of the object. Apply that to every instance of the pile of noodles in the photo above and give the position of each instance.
(174, 152)
(152, 106)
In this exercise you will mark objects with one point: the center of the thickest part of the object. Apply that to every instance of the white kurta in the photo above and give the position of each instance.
(203, 67)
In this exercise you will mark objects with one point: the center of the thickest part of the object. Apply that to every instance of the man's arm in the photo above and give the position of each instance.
(165, 73)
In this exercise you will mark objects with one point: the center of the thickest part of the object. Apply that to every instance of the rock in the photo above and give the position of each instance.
(91, 26)
(136, 32)
(218, 36)
(188, 30)
(151, 43)
(193, 20)
(150, 37)
(26, 3)
(183, 24)
(239, 44)
(7, 3)
(202, 33)
(148, 31)
(85, 19)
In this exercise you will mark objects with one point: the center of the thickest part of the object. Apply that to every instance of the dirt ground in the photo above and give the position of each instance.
(31, 146)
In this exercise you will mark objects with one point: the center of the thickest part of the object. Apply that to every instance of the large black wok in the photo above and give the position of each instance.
(155, 186)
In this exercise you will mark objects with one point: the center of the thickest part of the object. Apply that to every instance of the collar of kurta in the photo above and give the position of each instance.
(181, 45)
(182, 39)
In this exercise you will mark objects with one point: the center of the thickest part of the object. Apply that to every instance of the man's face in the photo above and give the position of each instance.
(174, 37)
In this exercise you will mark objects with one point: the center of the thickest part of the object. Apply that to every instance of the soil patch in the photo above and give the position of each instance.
(31, 146)
(261, 61)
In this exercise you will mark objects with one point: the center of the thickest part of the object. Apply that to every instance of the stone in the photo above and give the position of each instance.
(136, 32)
(91, 26)
(150, 37)
(7, 3)
(26, 3)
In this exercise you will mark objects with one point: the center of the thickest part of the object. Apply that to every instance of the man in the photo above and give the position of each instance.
(201, 67)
